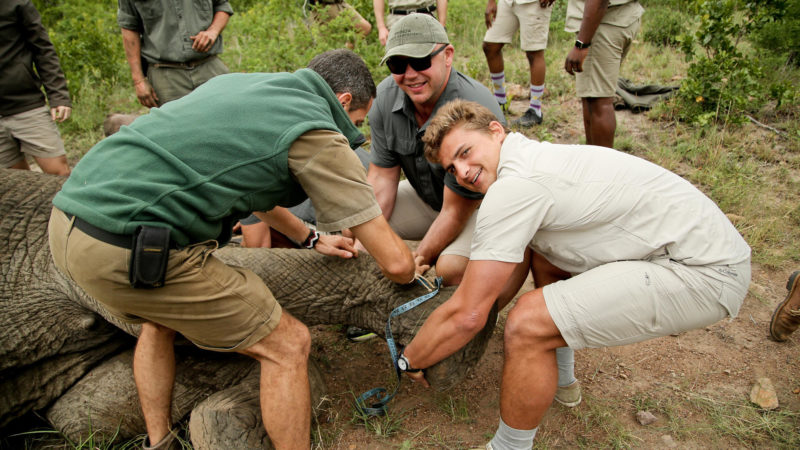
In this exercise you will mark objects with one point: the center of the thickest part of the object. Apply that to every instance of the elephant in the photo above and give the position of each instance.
(63, 353)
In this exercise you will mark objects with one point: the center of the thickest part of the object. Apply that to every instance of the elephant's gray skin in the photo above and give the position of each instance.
(53, 333)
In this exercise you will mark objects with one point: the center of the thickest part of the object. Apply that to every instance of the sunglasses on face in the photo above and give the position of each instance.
(398, 64)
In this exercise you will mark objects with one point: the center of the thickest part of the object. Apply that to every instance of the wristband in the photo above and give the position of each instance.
(311, 240)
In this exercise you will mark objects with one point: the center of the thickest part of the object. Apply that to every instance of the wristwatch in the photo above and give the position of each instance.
(404, 365)
(582, 45)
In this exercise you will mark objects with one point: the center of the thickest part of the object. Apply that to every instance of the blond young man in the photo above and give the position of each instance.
(626, 251)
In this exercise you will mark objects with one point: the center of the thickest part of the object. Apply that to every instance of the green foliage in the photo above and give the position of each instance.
(663, 27)
(87, 39)
(783, 36)
(724, 80)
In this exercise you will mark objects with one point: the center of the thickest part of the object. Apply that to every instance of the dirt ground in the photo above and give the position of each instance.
(697, 384)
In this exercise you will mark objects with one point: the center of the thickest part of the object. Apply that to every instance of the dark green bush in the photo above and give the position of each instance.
(782, 36)
(663, 27)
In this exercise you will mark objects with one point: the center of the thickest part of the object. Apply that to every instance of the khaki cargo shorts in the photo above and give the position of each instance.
(216, 306)
(531, 19)
(29, 133)
(412, 217)
(624, 302)
(610, 44)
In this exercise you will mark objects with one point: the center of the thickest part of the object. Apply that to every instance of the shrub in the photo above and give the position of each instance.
(663, 27)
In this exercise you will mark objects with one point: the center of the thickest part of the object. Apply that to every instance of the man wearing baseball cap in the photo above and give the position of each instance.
(429, 205)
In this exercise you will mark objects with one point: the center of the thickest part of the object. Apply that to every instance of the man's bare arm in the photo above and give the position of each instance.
(203, 40)
(390, 252)
(456, 211)
(462, 316)
(384, 182)
(132, 42)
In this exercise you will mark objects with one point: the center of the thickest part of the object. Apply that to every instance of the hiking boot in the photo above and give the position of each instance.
(786, 317)
(528, 119)
(569, 396)
(355, 334)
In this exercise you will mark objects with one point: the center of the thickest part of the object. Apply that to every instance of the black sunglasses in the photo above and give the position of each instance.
(397, 64)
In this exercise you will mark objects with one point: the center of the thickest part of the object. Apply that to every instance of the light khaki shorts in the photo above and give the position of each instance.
(216, 306)
(631, 301)
(29, 133)
(531, 19)
(610, 44)
(412, 217)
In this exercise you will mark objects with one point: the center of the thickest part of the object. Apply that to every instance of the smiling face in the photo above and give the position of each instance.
(472, 156)
(426, 86)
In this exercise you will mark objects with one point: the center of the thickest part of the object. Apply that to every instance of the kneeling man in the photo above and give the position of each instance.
(630, 250)
(167, 190)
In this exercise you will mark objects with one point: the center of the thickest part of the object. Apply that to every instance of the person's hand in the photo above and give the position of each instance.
(147, 96)
(418, 377)
(419, 266)
(60, 113)
(546, 3)
(383, 34)
(491, 13)
(203, 40)
(574, 61)
(335, 245)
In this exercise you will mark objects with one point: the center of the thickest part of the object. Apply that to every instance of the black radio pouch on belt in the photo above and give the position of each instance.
(149, 257)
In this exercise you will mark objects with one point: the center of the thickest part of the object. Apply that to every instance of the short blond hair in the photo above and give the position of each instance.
(470, 115)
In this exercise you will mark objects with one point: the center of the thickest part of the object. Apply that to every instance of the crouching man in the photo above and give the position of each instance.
(631, 252)
(174, 182)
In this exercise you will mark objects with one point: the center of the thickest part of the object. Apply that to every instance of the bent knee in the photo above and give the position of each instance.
(451, 268)
(529, 322)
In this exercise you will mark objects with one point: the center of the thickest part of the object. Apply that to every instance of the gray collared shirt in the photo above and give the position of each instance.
(397, 140)
(166, 26)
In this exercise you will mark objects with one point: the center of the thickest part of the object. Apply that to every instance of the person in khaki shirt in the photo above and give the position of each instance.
(623, 251)
(268, 142)
(604, 31)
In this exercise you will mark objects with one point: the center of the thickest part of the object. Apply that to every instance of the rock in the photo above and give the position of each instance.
(763, 394)
(668, 441)
(645, 417)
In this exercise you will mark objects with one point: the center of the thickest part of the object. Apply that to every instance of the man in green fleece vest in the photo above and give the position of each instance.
(238, 144)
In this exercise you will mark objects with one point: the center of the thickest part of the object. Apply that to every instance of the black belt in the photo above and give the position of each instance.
(118, 240)
(405, 12)
(182, 65)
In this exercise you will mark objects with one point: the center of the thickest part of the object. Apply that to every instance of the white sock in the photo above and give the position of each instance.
(565, 357)
(499, 84)
(536, 99)
(507, 438)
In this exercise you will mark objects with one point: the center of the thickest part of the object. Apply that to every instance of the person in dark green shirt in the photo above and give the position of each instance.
(240, 143)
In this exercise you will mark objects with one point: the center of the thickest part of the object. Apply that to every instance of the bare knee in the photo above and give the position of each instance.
(451, 268)
(529, 325)
(288, 344)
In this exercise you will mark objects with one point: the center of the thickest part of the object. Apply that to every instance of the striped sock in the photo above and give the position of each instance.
(499, 84)
(536, 99)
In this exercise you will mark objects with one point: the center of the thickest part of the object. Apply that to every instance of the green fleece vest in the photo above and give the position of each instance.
(198, 163)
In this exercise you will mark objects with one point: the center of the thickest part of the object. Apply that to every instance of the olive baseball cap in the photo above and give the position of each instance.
(415, 36)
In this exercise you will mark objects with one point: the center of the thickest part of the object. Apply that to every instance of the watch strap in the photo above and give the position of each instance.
(582, 45)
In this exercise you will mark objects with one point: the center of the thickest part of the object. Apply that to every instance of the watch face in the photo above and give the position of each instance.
(402, 364)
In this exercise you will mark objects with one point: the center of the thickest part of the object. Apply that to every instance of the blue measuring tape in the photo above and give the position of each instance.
(379, 408)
